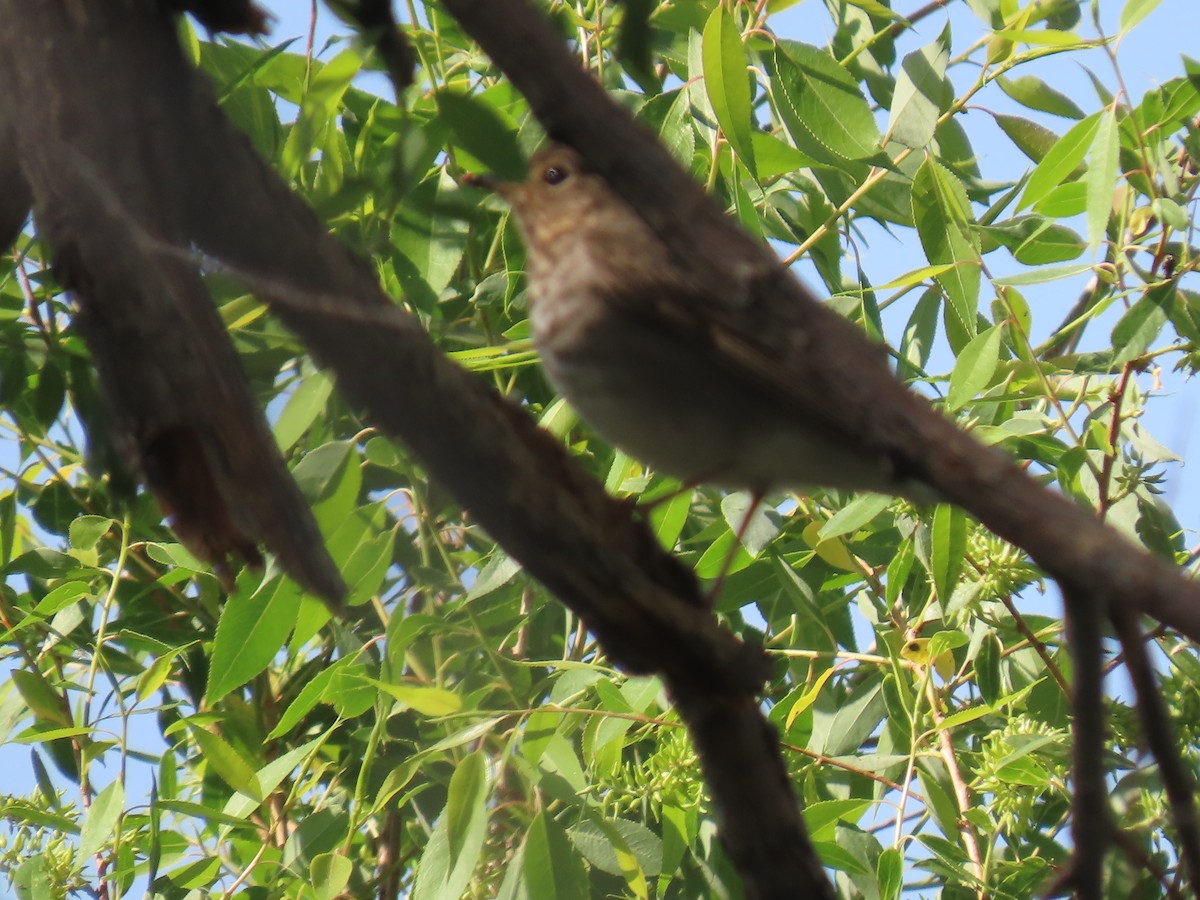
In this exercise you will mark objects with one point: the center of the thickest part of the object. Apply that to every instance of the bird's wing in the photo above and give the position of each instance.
(769, 348)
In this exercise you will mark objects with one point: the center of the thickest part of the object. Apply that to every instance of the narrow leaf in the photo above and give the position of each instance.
(1102, 177)
(808, 698)
(230, 766)
(553, 868)
(477, 127)
(942, 214)
(821, 105)
(727, 83)
(1060, 161)
(974, 368)
(468, 789)
(1141, 324)
(948, 540)
(1033, 93)
(1134, 11)
(922, 93)
(100, 822)
(425, 699)
(250, 633)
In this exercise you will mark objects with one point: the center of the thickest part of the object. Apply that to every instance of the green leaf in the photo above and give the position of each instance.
(318, 108)
(86, 531)
(619, 847)
(202, 812)
(821, 105)
(154, 675)
(1033, 93)
(229, 765)
(368, 565)
(61, 597)
(963, 716)
(1050, 243)
(877, 10)
(269, 777)
(464, 801)
(350, 693)
(836, 857)
(1042, 275)
(634, 47)
(1141, 324)
(1102, 177)
(1060, 161)
(553, 868)
(425, 699)
(922, 93)
(948, 548)
(322, 831)
(808, 698)
(974, 368)
(31, 880)
(1035, 240)
(431, 233)
(1045, 37)
(944, 222)
(987, 669)
(477, 127)
(1134, 11)
(854, 515)
(329, 873)
(850, 724)
(728, 85)
(744, 515)
(497, 572)
(317, 473)
(821, 818)
(196, 874)
(669, 516)
(43, 700)
(889, 872)
(251, 631)
(676, 129)
(310, 695)
(101, 821)
(302, 408)
(1032, 139)
(775, 157)
(1064, 201)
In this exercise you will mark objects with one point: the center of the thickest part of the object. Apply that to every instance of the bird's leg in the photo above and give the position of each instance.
(756, 499)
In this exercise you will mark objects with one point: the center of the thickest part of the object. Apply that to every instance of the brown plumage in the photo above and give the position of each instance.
(653, 360)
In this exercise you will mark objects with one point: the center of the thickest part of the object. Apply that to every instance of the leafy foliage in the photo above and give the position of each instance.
(463, 736)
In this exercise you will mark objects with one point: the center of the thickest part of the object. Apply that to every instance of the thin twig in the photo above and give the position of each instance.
(1177, 780)
(962, 793)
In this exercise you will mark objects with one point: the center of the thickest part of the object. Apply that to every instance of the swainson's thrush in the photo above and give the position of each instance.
(623, 334)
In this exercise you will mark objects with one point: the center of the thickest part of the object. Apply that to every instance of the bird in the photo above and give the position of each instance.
(649, 358)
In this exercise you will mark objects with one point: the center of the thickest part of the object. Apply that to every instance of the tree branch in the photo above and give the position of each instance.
(840, 375)
(517, 481)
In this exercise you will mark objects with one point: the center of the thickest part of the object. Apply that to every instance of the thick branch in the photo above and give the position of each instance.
(180, 408)
(516, 480)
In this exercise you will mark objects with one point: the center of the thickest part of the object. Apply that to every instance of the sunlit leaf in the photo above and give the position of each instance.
(727, 82)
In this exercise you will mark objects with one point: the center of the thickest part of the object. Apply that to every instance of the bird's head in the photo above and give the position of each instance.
(558, 194)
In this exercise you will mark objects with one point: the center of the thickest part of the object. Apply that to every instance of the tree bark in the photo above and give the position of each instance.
(125, 145)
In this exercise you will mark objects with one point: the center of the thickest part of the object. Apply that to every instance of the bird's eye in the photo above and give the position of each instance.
(555, 175)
